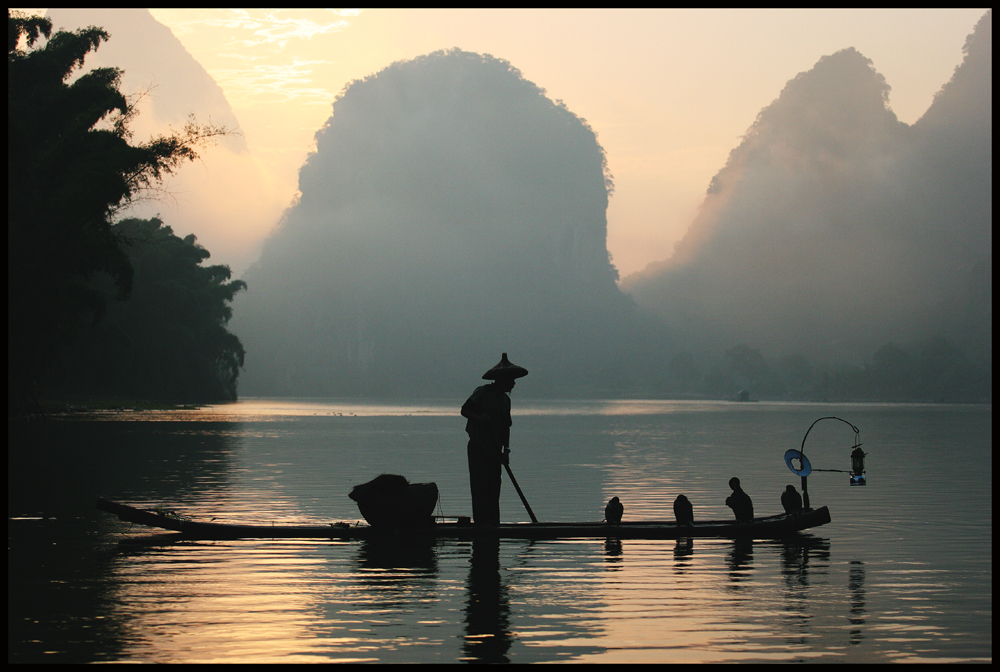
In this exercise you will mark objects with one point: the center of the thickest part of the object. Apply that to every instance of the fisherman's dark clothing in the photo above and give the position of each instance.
(742, 506)
(486, 443)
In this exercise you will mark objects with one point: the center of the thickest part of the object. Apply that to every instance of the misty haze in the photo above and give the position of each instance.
(452, 211)
(834, 228)
(244, 311)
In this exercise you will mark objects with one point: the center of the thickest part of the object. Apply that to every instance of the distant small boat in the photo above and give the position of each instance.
(770, 527)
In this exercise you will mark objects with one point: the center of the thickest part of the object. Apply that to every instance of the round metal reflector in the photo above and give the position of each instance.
(793, 454)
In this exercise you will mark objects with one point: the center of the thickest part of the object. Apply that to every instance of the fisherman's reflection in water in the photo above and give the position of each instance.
(740, 562)
(487, 609)
(798, 555)
(801, 555)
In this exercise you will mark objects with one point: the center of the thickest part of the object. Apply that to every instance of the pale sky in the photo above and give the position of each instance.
(669, 92)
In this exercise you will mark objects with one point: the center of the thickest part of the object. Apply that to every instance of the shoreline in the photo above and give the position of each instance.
(109, 405)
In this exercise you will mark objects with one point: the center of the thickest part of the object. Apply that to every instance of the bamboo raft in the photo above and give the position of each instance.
(768, 527)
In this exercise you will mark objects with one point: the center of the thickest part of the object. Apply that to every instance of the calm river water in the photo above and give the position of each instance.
(903, 573)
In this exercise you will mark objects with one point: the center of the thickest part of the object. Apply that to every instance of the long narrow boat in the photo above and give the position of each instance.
(770, 527)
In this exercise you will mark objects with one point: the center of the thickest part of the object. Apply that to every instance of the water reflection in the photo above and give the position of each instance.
(740, 563)
(60, 593)
(683, 553)
(487, 636)
(64, 586)
(800, 556)
(857, 612)
(613, 553)
(797, 554)
(887, 592)
(415, 553)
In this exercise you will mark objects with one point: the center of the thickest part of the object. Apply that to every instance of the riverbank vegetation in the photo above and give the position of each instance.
(88, 295)
(168, 341)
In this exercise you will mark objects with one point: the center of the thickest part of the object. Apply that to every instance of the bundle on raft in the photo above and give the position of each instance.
(389, 500)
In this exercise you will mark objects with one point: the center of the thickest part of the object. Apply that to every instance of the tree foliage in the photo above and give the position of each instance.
(168, 341)
(70, 167)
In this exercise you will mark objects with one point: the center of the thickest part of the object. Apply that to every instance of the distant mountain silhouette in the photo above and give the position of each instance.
(450, 212)
(224, 199)
(151, 56)
(834, 227)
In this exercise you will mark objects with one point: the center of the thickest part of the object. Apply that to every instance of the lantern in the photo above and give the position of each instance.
(858, 466)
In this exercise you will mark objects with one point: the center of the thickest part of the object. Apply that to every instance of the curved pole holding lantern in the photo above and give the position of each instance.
(857, 460)
(831, 417)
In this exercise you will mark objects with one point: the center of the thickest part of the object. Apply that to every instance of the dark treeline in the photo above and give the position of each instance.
(169, 339)
(930, 370)
(71, 168)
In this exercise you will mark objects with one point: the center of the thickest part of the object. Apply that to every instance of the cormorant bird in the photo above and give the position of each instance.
(613, 511)
(683, 511)
(791, 500)
(740, 502)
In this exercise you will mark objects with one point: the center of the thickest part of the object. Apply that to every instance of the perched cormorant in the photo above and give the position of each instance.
(613, 511)
(683, 511)
(791, 500)
(740, 502)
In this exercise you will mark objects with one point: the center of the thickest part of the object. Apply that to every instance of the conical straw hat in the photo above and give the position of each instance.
(505, 370)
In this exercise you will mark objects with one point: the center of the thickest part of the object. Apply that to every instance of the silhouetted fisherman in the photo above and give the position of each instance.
(488, 412)
(614, 511)
(791, 500)
(740, 502)
(683, 511)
